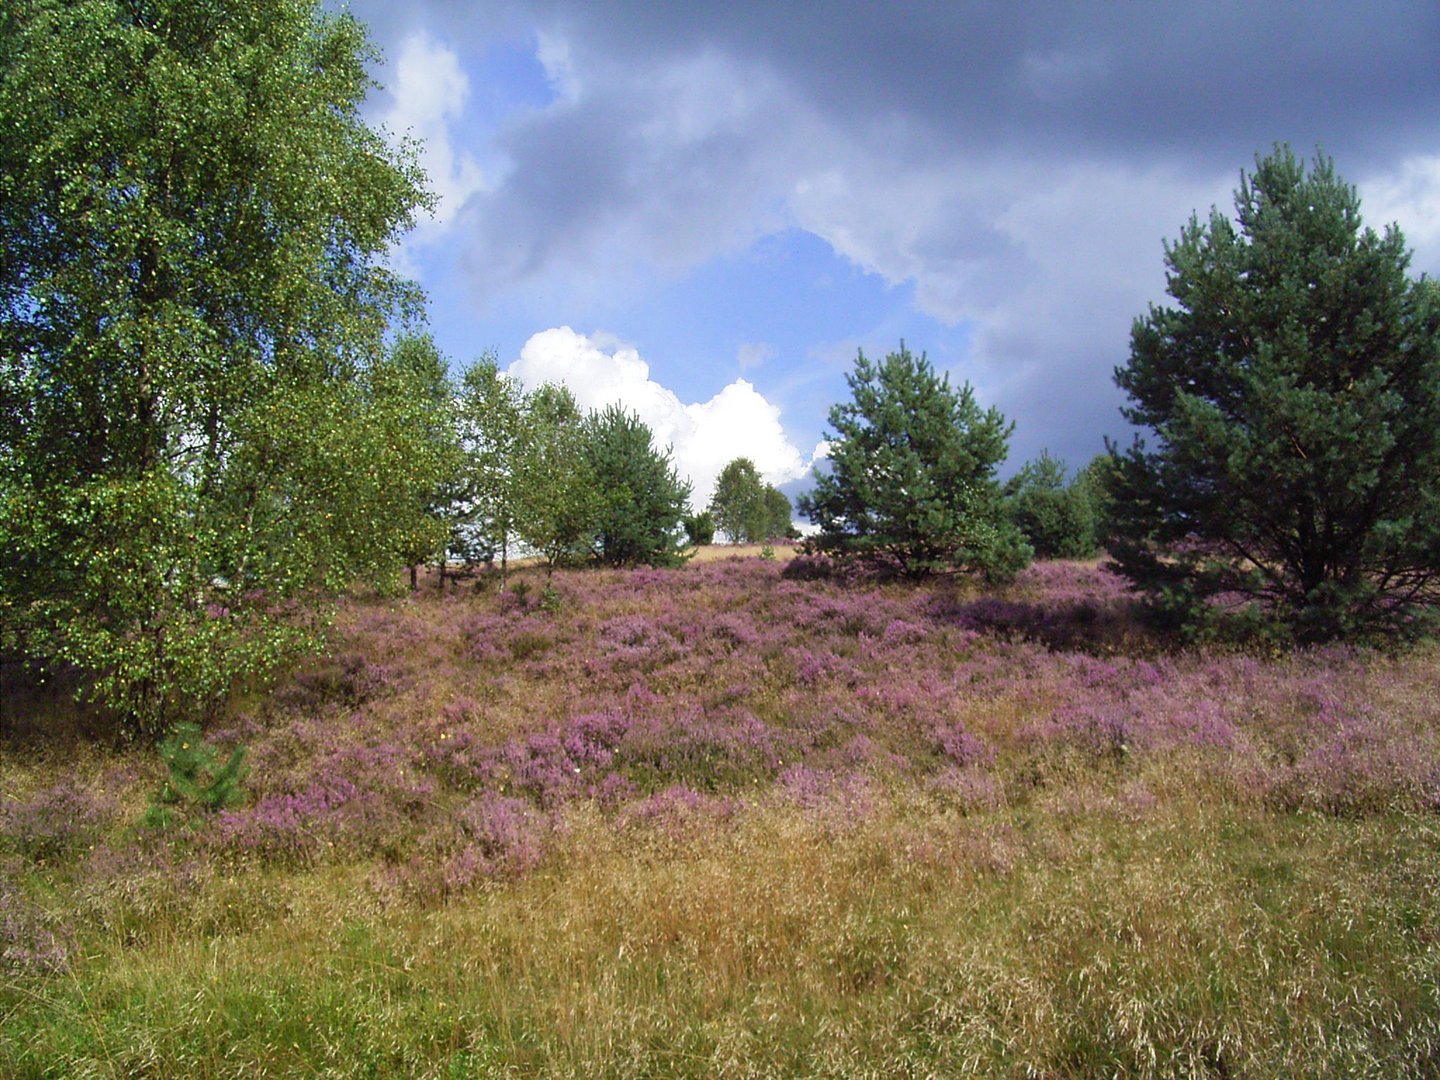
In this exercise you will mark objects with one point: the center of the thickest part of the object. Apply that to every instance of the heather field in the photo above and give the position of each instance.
(724, 821)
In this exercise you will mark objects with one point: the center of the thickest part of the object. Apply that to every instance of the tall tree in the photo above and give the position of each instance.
(193, 219)
(494, 434)
(738, 504)
(642, 501)
(1294, 394)
(911, 474)
(414, 401)
(557, 501)
(779, 514)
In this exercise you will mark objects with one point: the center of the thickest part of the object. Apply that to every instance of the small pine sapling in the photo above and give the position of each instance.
(195, 779)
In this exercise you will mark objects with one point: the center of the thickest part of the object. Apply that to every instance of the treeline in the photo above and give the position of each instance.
(494, 470)
(497, 470)
(505, 467)
(217, 410)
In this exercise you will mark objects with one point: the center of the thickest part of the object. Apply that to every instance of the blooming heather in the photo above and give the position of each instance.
(453, 730)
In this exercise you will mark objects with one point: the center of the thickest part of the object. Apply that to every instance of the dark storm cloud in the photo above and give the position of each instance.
(1186, 78)
(1201, 86)
(568, 178)
(1018, 164)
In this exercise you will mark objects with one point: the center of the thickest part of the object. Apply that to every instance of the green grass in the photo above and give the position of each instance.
(1263, 907)
(1195, 942)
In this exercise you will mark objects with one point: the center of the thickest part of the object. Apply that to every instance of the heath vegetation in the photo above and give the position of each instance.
(735, 819)
(901, 803)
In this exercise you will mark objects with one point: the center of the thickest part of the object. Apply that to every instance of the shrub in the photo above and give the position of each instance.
(911, 475)
(1057, 519)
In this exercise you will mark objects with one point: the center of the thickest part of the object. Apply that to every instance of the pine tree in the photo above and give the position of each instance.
(642, 501)
(911, 474)
(1056, 518)
(1294, 393)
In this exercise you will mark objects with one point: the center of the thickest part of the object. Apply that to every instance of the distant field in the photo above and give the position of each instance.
(714, 822)
(784, 551)
(711, 552)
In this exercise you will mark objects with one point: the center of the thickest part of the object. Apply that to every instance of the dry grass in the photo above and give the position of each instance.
(784, 552)
(1234, 900)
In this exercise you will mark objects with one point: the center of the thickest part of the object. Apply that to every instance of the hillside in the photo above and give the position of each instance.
(717, 821)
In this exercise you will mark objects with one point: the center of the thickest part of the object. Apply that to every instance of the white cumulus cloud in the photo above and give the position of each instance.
(1408, 196)
(703, 436)
(428, 93)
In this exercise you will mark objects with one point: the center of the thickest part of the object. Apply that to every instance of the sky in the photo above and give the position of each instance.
(702, 211)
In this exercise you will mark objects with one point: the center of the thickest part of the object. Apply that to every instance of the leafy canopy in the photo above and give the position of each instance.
(779, 514)
(494, 428)
(911, 476)
(738, 504)
(699, 528)
(1294, 395)
(193, 219)
(747, 509)
(556, 498)
(415, 403)
(569, 486)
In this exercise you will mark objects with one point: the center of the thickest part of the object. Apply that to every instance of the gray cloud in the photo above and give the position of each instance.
(1190, 77)
(1018, 164)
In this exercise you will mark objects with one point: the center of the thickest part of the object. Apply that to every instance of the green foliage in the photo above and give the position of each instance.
(556, 499)
(193, 450)
(911, 476)
(1294, 393)
(494, 434)
(1056, 518)
(747, 509)
(738, 504)
(196, 777)
(779, 515)
(1092, 483)
(642, 500)
(413, 402)
(565, 485)
(699, 528)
